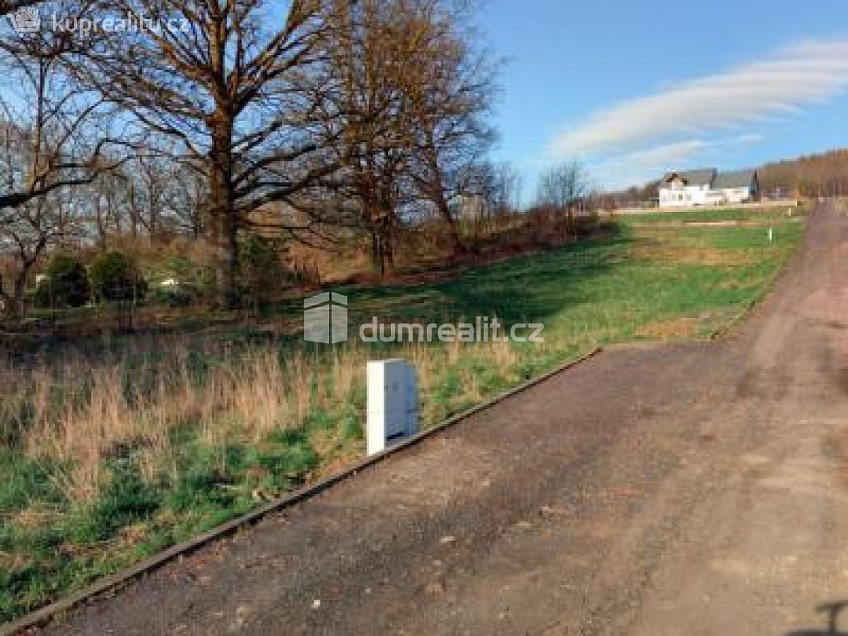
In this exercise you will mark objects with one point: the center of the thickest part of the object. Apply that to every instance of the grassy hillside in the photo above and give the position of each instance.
(115, 451)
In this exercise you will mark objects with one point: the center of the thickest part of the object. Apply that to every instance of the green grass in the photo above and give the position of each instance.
(606, 289)
(644, 280)
(720, 214)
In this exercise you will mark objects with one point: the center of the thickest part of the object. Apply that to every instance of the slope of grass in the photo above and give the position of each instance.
(718, 214)
(111, 453)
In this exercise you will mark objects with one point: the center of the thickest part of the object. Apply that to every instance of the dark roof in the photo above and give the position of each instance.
(713, 178)
(701, 176)
(736, 179)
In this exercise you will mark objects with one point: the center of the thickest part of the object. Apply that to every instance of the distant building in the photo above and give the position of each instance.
(708, 186)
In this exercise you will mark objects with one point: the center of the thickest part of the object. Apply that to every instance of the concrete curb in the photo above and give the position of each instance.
(757, 300)
(111, 583)
(743, 313)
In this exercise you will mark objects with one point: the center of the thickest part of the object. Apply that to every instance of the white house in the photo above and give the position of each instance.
(707, 186)
(735, 187)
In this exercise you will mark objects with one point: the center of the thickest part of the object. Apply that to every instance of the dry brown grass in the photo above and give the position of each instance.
(683, 327)
(241, 397)
(85, 410)
(695, 255)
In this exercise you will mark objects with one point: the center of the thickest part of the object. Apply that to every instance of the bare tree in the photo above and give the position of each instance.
(54, 138)
(453, 91)
(186, 195)
(108, 197)
(55, 132)
(368, 49)
(500, 186)
(26, 231)
(561, 187)
(412, 92)
(151, 196)
(241, 101)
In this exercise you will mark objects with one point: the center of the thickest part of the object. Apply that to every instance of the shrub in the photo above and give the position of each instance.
(66, 284)
(173, 295)
(114, 276)
(261, 273)
(179, 281)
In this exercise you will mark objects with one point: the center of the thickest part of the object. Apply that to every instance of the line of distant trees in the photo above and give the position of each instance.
(822, 175)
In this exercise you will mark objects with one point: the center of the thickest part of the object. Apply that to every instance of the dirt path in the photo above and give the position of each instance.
(687, 489)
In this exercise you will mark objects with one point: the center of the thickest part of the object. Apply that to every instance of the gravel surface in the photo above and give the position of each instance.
(681, 489)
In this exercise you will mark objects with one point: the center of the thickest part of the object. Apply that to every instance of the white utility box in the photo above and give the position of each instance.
(392, 403)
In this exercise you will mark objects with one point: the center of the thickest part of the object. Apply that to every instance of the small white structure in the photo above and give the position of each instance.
(739, 186)
(392, 403)
(708, 186)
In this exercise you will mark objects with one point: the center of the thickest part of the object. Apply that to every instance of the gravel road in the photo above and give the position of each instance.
(686, 489)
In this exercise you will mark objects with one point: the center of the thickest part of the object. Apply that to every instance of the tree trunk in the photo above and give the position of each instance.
(382, 260)
(20, 294)
(436, 187)
(14, 304)
(225, 224)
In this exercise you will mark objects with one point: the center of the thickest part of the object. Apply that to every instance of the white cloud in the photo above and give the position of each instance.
(672, 153)
(777, 86)
(641, 166)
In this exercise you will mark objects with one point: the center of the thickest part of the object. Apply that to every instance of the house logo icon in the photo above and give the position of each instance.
(26, 20)
(325, 318)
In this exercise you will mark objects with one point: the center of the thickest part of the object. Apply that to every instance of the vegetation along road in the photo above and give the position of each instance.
(684, 488)
(155, 438)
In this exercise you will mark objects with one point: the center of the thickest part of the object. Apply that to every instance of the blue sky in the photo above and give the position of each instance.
(632, 88)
